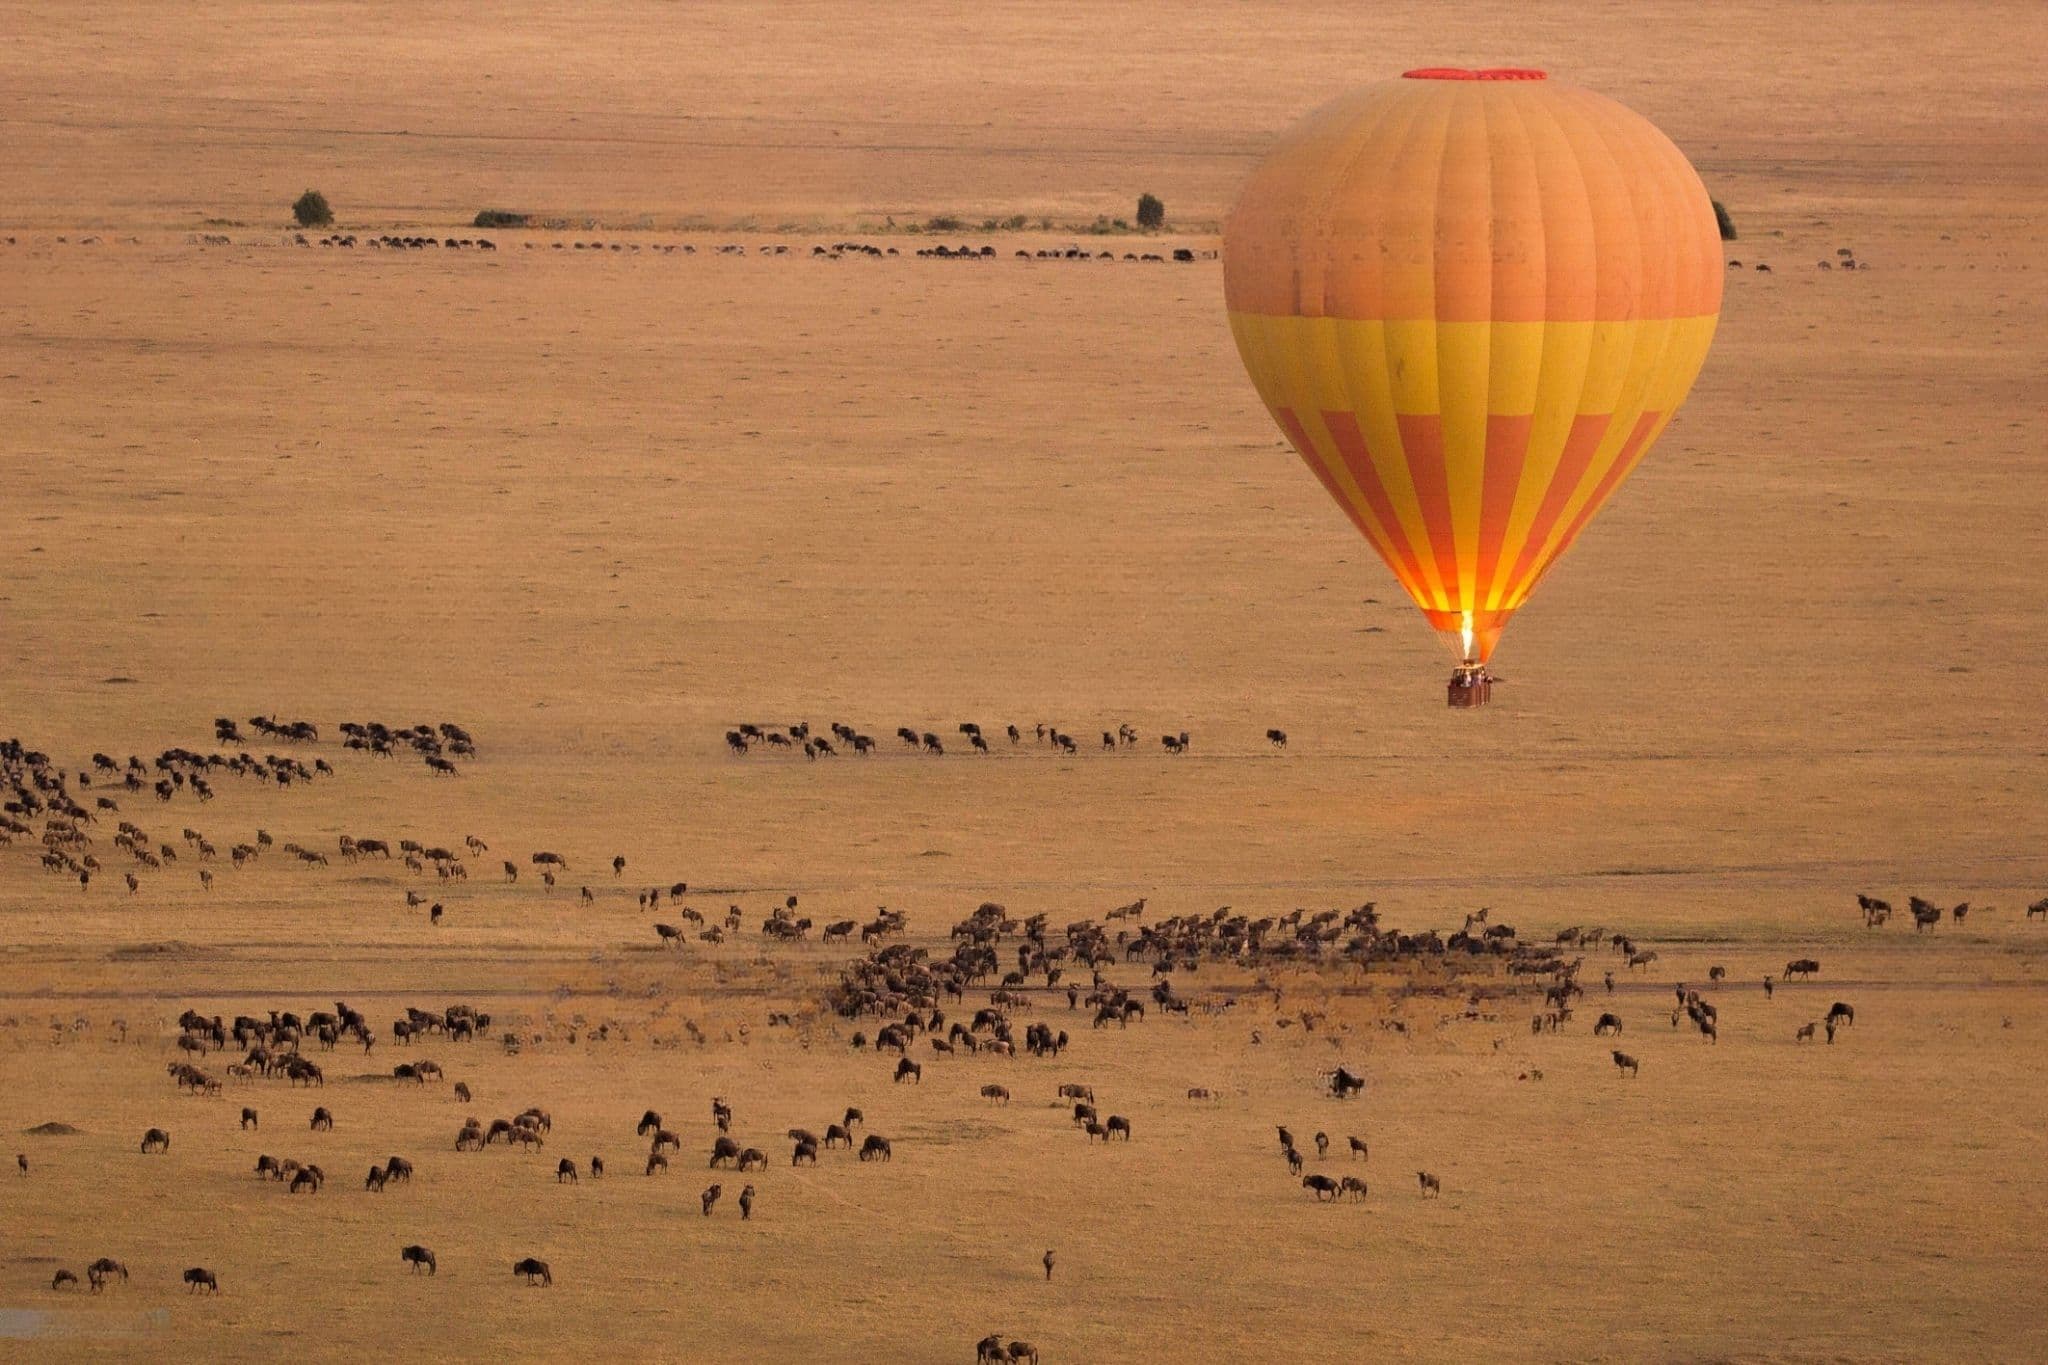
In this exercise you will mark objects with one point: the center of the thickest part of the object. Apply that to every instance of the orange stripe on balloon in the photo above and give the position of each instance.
(1624, 461)
(1422, 444)
(1507, 446)
(1384, 535)
(1351, 445)
(1579, 446)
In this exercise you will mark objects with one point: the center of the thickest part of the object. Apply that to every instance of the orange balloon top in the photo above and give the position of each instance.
(1494, 195)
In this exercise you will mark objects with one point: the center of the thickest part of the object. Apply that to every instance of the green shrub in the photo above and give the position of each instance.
(311, 210)
(944, 223)
(1151, 213)
(499, 218)
(1726, 224)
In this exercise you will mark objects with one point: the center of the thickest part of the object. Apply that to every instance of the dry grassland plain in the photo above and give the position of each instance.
(598, 507)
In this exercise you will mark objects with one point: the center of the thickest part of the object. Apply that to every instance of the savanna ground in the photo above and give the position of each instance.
(599, 508)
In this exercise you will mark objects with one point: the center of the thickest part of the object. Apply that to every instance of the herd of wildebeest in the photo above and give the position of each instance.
(996, 988)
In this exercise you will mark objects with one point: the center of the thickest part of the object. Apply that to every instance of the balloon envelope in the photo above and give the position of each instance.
(1472, 300)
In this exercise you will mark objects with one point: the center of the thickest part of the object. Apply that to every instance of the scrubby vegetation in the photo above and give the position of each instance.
(1151, 213)
(500, 218)
(312, 210)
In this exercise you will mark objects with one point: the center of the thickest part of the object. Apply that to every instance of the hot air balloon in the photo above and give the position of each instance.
(1472, 300)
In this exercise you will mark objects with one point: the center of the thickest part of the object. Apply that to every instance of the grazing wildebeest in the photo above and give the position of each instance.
(1344, 1085)
(1429, 1184)
(1001, 1094)
(417, 1256)
(1293, 1161)
(104, 1269)
(2039, 907)
(1806, 1032)
(1609, 1023)
(874, 1148)
(1359, 1149)
(663, 1138)
(462, 1091)
(1352, 1186)
(747, 1204)
(63, 1279)
(1021, 1350)
(322, 1119)
(534, 1269)
(837, 1134)
(248, 1118)
(1841, 1014)
(725, 1150)
(565, 1169)
(906, 1067)
(1116, 1123)
(1277, 738)
(398, 1169)
(304, 1179)
(156, 1140)
(1801, 966)
(1321, 1186)
(753, 1159)
(853, 1118)
(649, 1122)
(989, 1350)
(805, 1150)
(657, 1162)
(374, 1181)
(1077, 1092)
(197, 1276)
(710, 1197)
(268, 1165)
(1625, 1064)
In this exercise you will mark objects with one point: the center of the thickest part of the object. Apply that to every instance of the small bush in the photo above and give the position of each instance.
(944, 223)
(311, 210)
(1014, 222)
(499, 218)
(1151, 213)
(1726, 224)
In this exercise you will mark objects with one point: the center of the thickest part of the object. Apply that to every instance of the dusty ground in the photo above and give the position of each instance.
(599, 508)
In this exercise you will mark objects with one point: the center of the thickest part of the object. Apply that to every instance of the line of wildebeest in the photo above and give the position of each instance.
(800, 738)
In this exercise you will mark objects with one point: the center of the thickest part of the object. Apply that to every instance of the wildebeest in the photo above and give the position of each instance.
(1429, 1184)
(1359, 1149)
(248, 1118)
(156, 1140)
(1293, 1161)
(710, 1197)
(1321, 1186)
(989, 1350)
(1116, 1123)
(322, 1119)
(875, 1148)
(565, 1169)
(417, 1256)
(1021, 1350)
(753, 1159)
(1344, 1085)
(907, 1068)
(1352, 1186)
(747, 1204)
(534, 1269)
(1841, 1013)
(1625, 1064)
(805, 1150)
(64, 1279)
(724, 1150)
(1806, 1032)
(1322, 1145)
(1277, 738)
(1609, 1023)
(103, 1270)
(657, 1162)
(1802, 966)
(1000, 1094)
(374, 1181)
(649, 1122)
(197, 1276)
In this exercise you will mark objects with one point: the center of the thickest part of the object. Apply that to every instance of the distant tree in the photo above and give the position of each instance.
(311, 209)
(1151, 213)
